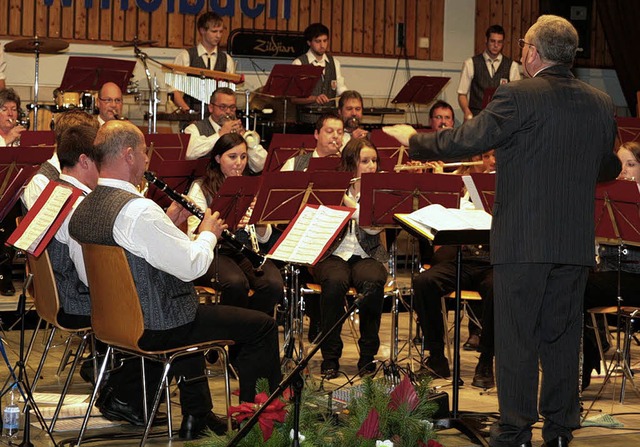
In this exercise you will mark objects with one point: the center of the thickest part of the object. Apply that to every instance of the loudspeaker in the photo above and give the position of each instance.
(579, 13)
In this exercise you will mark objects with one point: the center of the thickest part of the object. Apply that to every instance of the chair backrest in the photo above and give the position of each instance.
(116, 314)
(45, 291)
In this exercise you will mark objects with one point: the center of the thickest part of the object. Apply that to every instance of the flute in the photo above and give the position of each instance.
(256, 259)
(457, 164)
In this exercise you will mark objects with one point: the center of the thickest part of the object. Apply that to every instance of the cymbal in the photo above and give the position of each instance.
(45, 45)
(136, 42)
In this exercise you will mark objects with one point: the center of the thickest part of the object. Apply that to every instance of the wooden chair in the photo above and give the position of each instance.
(117, 320)
(47, 304)
(465, 297)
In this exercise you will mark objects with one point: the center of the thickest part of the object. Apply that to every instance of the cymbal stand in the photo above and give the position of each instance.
(36, 85)
(294, 321)
(153, 86)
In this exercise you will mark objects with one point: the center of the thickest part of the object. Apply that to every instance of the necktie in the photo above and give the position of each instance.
(493, 68)
(209, 62)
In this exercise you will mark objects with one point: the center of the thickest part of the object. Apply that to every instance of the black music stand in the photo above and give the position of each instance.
(291, 81)
(456, 238)
(618, 223)
(90, 73)
(420, 90)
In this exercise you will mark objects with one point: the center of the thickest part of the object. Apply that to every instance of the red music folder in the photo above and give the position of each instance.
(44, 218)
(310, 234)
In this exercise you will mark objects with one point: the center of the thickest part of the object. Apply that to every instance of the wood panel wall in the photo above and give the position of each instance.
(358, 27)
(516, 16)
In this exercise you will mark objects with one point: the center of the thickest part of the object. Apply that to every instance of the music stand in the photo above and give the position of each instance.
(285, 146)
(291, 81)
(234, 197)
(14, 189)
(15, 157)
(177, 174)
(456, 238)
(37, 138)
(90, 73)
(486, 187)
(628, 129)
(420, 90)
(618, 223)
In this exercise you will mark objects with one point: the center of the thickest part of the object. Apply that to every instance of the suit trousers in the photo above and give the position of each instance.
(538, 321)
(335, 276)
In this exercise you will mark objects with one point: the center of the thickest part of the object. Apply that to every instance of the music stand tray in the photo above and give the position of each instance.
(421, 90)
(90, 73)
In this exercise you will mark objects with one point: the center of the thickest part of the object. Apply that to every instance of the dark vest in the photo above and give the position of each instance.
(324, 86)
(166, 301)
(196, 62)
(73, 294)
(370, 243)
(302, 161)
(49, 171)
(482, 80)
(205, 128)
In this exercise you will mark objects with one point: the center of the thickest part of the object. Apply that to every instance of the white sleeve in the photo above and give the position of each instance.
(341, 86)
(465, 77)
(33, 190)
(197, 196)
(514, 72)
(257, 158)
(143, 229)
(231, 64)
(199, 145)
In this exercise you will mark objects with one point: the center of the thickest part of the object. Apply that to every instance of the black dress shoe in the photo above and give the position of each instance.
(438, 365)
(114, 409)
(6, 285)
(483, 377)
(560, 441)
(472, 343)
(330, 369)
(366, 366)
(194, 427)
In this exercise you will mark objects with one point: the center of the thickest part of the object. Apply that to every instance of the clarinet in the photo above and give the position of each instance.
(256, 259)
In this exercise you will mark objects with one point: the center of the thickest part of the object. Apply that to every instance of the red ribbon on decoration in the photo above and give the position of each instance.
(275, 412)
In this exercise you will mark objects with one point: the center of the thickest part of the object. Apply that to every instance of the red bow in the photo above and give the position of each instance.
(275, 412)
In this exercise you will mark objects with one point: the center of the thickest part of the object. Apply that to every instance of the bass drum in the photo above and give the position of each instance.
(67, 100)
(45, 117)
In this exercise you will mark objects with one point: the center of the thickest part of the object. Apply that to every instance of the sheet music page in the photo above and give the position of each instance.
(439, 218)
(309, 235)
(473, 192)
(44, 219)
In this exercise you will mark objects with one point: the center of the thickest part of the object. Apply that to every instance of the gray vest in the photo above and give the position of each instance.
(49, 171)
(166, 301)
(73, 294)
(302, 161)
(196, 62)
(328, 77)
(205, 128)
(482, 80)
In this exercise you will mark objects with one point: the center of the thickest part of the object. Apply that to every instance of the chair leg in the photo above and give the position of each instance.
(156, 402)
(594, 321)
(45, 353)
(227, 385)
(94, 395)
(32, 341)
(64, 360)
(445, 324)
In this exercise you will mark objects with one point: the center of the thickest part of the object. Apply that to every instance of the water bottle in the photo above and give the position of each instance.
(11, 414)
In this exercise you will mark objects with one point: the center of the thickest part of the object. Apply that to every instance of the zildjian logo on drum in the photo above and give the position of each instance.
(273, 47)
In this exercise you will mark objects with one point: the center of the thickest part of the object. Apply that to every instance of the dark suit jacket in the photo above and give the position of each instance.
(554, 136)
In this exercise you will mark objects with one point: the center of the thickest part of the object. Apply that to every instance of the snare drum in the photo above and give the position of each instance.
(45, 117)
(67, 100)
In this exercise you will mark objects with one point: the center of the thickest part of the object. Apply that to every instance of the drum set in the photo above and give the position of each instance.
(41, 114)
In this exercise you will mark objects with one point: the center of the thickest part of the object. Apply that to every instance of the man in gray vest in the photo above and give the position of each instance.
(222, 120)
(164, 262)
(484, 71)
(331, 85)
(329, 133)
(204, 55)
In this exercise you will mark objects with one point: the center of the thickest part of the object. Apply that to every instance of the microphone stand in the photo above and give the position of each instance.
(296, 381)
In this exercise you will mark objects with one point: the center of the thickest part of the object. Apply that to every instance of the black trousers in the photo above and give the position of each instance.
(432, 284)
(255, 334)
(336, 276)
(538, 321)
(237, 276)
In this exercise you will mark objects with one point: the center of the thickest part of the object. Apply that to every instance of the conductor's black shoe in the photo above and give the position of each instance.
(329, 369)
(194, 427)
(472, 343)
(438, 365)
(366, 366)
(560, 441)
(483, 377)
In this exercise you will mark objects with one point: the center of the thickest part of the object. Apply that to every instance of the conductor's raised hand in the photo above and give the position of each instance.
(401, 132)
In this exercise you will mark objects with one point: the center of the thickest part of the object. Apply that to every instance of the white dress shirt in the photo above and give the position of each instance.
(37, 184)
(201, 145)
(143, 229)
(467, 72)
(340, 85)
(350, 246)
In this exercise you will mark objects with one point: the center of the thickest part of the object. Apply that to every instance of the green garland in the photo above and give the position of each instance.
(403, 426)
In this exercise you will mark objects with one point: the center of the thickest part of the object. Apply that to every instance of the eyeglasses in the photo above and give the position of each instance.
(112, 100)
(225, 107)
(522, 43)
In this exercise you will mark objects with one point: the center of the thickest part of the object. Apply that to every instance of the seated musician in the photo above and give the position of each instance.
(164, 262)
(350, 110)
(602, 284)
(10, 129)
(439, 280)
(221, 121)
(328, 133)
(109, 103)
(206, 54)
(356, 259)
(231, 271)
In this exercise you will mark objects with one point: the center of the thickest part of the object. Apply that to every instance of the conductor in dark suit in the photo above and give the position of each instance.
(553, 136)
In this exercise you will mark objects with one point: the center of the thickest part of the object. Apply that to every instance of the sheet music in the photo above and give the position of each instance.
(310, 234)
(43, 220)
(439, 218)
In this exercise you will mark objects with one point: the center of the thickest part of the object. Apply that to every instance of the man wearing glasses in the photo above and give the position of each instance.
(222, 120)
(109, 103)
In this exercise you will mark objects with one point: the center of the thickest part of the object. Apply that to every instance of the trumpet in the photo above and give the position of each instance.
(251, 137)
(417, 166)
(256, 259)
